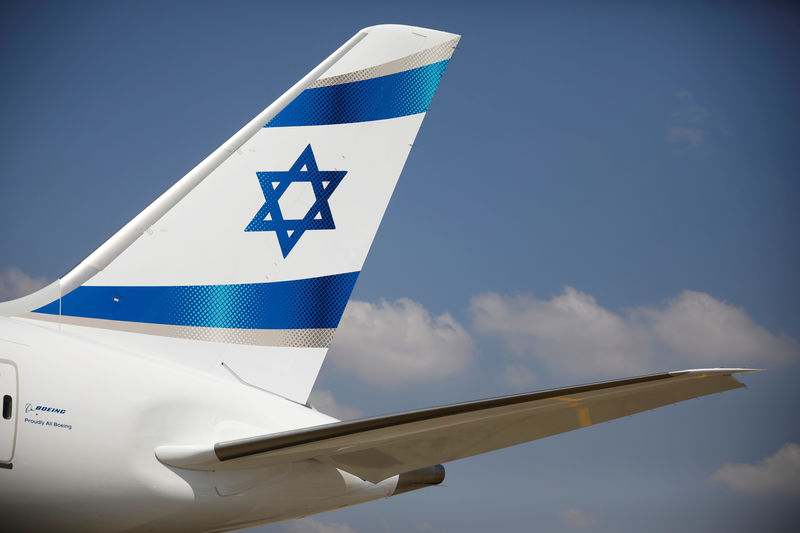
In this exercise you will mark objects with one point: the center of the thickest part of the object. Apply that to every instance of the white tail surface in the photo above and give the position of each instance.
(250, 259)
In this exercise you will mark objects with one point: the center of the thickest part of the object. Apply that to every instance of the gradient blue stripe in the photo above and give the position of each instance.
(307, 303)
(394, 95)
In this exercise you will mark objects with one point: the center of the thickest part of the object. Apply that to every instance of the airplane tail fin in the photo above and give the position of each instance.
(256, 250)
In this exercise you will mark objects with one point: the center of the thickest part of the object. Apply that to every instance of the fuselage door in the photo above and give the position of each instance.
(8, 415)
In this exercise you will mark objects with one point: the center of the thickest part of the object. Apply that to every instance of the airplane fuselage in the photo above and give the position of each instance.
(89, 418)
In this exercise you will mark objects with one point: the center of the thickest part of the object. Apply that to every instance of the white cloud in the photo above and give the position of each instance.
(687, 120)
(692, 137)
(324, 402)
(15, 283)
(519, 377)
(578, 519)
(310, 525)
(688, 110)
(574, 335)
(707, 330)
(570, 332)
(777, 474)
(392, 343)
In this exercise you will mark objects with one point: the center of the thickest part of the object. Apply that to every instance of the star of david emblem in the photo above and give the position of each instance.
(274, 184)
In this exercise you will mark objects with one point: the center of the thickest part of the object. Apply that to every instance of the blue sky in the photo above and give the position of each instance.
(627, 172)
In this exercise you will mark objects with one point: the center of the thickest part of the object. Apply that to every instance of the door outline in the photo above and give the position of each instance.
(15, 411)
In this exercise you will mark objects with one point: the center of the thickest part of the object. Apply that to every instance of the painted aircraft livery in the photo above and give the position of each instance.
(162, 384)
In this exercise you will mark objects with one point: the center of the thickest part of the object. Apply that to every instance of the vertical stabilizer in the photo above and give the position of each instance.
(249, 260)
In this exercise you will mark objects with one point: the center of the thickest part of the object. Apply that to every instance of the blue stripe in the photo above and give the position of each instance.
(306, 303)
(395, 95)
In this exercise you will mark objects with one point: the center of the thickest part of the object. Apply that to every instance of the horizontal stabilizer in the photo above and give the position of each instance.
(380, 447)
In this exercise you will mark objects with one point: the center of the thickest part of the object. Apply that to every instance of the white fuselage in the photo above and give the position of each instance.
(84, 460)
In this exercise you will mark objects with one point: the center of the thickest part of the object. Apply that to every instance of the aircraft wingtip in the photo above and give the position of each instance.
(718, 371)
